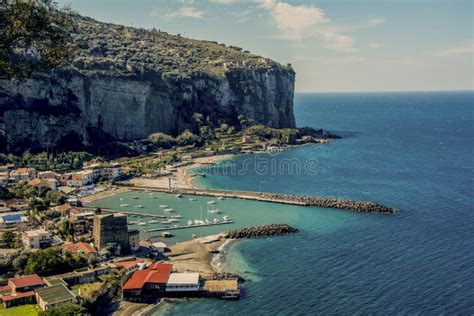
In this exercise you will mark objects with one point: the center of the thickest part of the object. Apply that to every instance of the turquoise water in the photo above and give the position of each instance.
(413, 151)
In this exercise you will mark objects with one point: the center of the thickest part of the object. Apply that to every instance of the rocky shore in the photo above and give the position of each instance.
(359, 206)
(261, 231)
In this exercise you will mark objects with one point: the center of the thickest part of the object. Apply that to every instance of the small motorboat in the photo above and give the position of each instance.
(220, 198)
(169, 209)
(124, 205)
(179, 195)
(153, 221)
(215, 221)
(199, 222)
(141, 224)
(139, 206)
(176, 216)
(163, 206)
(166, 234)
(173, 220)
(215, 211)
(192, 199)
(190, 222)
(211, 202)
(226, 218)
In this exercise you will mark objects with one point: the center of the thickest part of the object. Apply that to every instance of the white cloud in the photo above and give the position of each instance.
(186, 12)
(375, 45)
(466, 48)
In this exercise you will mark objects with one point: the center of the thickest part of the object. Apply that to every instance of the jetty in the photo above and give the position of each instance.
(187, 226)
(108, 210)
(282, 198)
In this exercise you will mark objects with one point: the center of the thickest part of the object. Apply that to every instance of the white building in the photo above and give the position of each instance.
(183, 282)
(81, 178)
(36, 239)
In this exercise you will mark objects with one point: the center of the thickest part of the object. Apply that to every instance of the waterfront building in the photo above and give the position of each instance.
(111, 231)
(54, 296)
(147, 282)
(183, 282)
(36, 239)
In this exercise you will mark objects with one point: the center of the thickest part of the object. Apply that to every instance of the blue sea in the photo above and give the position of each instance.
(412, 151)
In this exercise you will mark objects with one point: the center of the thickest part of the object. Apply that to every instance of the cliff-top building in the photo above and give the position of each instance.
(111, 231)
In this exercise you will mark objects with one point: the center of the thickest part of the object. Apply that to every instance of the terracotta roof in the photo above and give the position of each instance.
(127, 264)
(27, 280)
(80, 247)
(5, 288)
(140, 278)
(161, 266)
(13, 296)
(22, 170)
(63, 208)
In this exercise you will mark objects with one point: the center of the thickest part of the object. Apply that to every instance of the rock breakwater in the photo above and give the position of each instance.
(261, 231)
(352, 205)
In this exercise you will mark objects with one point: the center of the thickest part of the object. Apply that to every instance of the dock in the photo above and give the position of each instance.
(107, 210)
(187, 226)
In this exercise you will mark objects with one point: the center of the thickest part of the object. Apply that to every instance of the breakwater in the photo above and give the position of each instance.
(261, 231)
(283, 198)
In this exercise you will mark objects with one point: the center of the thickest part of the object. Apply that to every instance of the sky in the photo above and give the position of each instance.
(333, 45)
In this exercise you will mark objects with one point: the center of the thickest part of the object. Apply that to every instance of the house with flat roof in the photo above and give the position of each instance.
(54, 296)
(11, 220)
(183, 282)
(25, 283)
(36, 239)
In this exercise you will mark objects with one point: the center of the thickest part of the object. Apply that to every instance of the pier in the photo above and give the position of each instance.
(153, 216)
(282, 198)
(187, 226)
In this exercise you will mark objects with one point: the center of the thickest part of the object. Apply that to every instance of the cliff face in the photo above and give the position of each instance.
(85, 104)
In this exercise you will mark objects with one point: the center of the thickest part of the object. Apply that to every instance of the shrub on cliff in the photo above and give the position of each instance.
(65, 310)
(187, 138)
(162, 140)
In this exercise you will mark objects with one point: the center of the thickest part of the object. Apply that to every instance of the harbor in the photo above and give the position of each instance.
(188, 226)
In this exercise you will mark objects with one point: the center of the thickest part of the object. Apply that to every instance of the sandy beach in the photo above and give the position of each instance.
(181, 178)
(103, 194)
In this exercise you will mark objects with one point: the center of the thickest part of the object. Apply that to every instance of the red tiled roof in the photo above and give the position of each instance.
(80, 247)
(27, 280)
(161, 267)
(127, 264)
(13, 296)
(5, 288)
(140, 278)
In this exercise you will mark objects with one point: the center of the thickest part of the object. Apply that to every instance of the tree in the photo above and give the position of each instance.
(243, 120)
(162, 140)
(8, 238)
(64, 310)
(55, 197)
(187, 138)
(34, 36)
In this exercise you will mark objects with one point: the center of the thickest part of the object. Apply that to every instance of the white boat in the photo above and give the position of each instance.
(220, 198)
(176, 216)
(173, 220)
(163, 206)
(192, 199)
(178, 195)
(139, 206)
(165, 222)
(226, 218)
(199, 222)
(215, 211)
(153, 221)
(169, 209)
(141, 224)
(190, 222)
(208, 221)
(151, 193)
(124, 205)
(215, 220)
(211, 202)
(166, 234)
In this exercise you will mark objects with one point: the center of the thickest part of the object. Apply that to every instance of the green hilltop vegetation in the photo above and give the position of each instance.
(124, 50)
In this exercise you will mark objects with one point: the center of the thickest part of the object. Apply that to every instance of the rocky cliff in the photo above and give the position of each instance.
(126, 83)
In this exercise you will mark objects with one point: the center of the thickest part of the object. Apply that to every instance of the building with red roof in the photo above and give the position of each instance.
(147, 282)
(20, 298)
(25, 283)
(80, 247)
